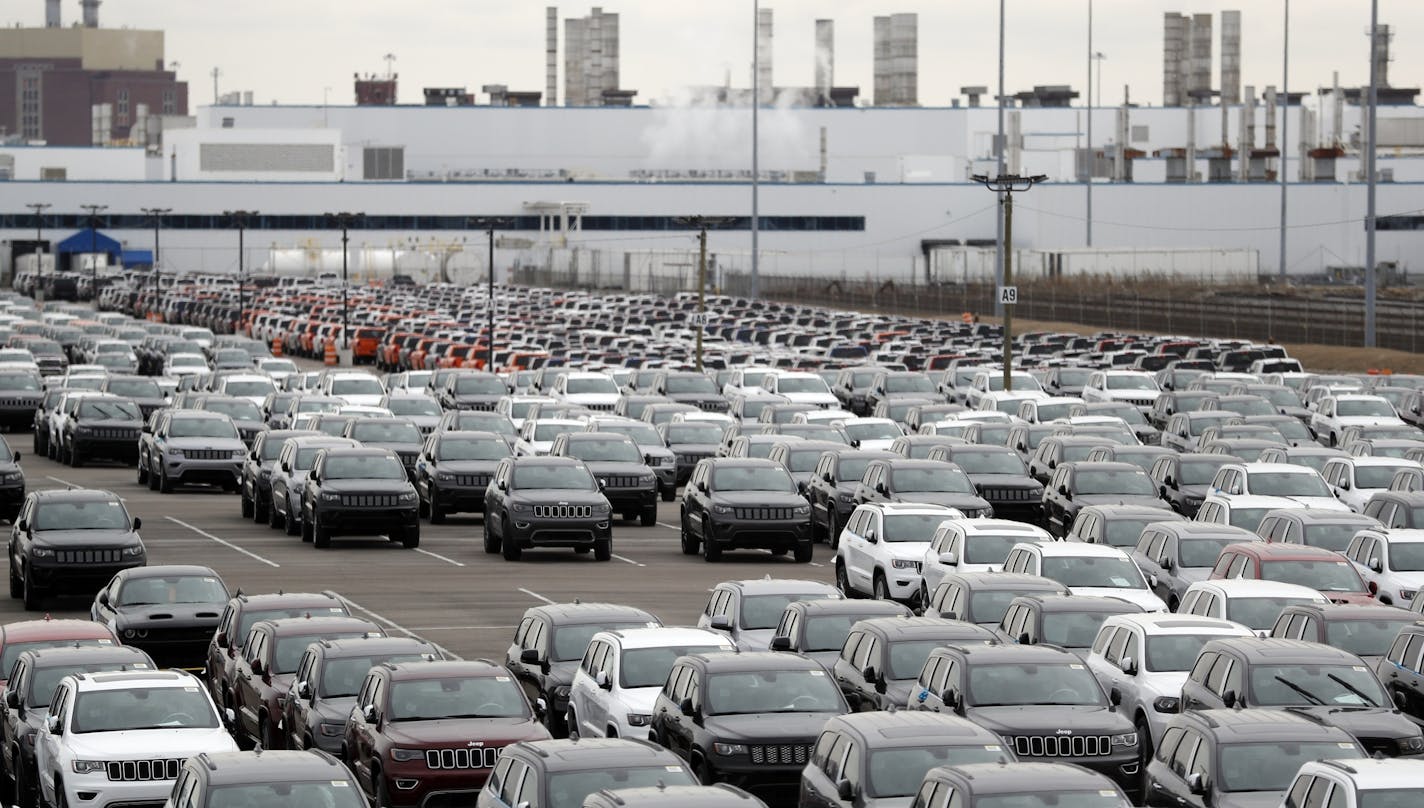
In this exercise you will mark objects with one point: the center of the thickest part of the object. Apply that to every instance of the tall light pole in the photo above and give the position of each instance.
(756, 149)
(1285, 129)
(1091, 161)
(344, 220)
(702, 223)
(1006, 186)
(156, 214)
(94, 211)
(240, 219)
(1003, 255)
(489, 224)
(39, 208)
(1370, 190)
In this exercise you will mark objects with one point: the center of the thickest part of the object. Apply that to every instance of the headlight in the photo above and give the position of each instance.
(331, 730)
(802, 510)
(729, 748)
(406, 755)
(846, 497)
(602, 507)
(561, 692)
(1126, 739)
(408, 496)
(520, 507)
(1414, 744)
(905, 564)
(175, 452)
(133, 551)
(239, 454)
(645, 478)
(721, 508)
(330, 496)
(89, 766)
(1167, 704)
(41, 552)
(639, 719)
(665, 460)
(14, 476)
(1404, 594)
(444, 476)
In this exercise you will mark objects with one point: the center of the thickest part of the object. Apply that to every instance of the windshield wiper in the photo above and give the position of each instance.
(1314, 699)
(1352, 689)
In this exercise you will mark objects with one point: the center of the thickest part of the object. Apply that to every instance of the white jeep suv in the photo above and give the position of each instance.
(882, 547)
(1391, 562)
(121, 738)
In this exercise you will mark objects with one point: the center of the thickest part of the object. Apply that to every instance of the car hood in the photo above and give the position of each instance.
(1048, 719)
(468, 466)
(1166, 683)
(234, 444)
(810, 398)
(1192, 574)
(459, 731)
(151, 743)
(639, 699)
(606, 467)
(169, 615)
(335, 708)
(875, 444)
(767, 725)
(365, 486)
(85, 538)
(888, 802)
(1365, 722)
(826, 659)
(1121, 499)
(109, 423)
(1351, 598)
(950, 499)
(1142, 597)
(560, 495)
(760, 499)
(399, 447)
(695, 448)
(1248, 799)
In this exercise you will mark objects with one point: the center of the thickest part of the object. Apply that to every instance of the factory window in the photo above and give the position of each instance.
(121, 109)
(170, 102)
(384, 163)
(393, 222)
(30, 106)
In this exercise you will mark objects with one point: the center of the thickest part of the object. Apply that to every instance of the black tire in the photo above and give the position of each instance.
(410, 539)
(1144, 751)
(491, 540)
(321, 537)
(76, 458)
(603, 549)
(165, 485)
(247, 507)
(293, 527)
(437, 513)
(689, 541)
(843, 581)
(306, 529)
(705, 775)
(275, 520)
(711, 550)
(17, 589)
(803, 551)
(383, 791)
(833, 533)
(512, 551)
(424, 508)
(60, 800)
(31, 596)
(259, 511)
(669, 493)
(649, 516)
(152, 480)
(880, 587)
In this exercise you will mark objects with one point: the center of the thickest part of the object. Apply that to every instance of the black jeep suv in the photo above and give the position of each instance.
(735, 503)
(626, 480)
(360, 492)
(546, 502)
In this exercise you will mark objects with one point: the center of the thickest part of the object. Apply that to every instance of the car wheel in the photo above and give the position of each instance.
(843, 581)
(833, 531)
(803, 552)
(247, 507)
(688, 541)
(410, 539)
(274, 519)
(29, 593)
(437, 513)
(602, 549)
(60, 799)
(711, 551)
(881, 587)
(924, 597)
(1144, 750)
(259, 510)
(321, 537)
(705, 775)
(383, 791)
(649, 516)
(512, 551)
(491, 539)
(17, 588)
(76, 457)
(165, 485)
(669, 493)
(152, 480)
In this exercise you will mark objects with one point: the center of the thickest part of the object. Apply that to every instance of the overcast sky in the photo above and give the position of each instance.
(304, 51)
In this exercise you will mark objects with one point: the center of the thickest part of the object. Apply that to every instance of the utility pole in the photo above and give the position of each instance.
(1006, 186)
(344, 220)
(1370, 190)
(39, 208)
(1091, 161)
(240, 220)
(94, 211)
(702, 223)
(156, 214)
(756, 150)
(1285, 130)
(489, 224)
(999, 241)
(216, 72)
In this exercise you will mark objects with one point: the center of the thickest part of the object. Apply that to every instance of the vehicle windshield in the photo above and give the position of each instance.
(363, 467)
(1048, 412)
(608, 451)
(1105, 798)
(1272, 766)
(873, 430)
(561, 477)
(948, 480)
(1073, 571)
(277, 366)
(903, 527)
(356, 387)
(254, 387)
(109, 410)
(1201, 552)
(135, 389)
(973, 462)
(1174, 653)
(488, 422)
(1283, 484)
(14, 649)
(801, 384)
(1332, 537)
(201, 428)
(236, 409)
(804, 460)
(989, 606)
(571, 641)
(187, 361)
(454, 448)
(907, 657)
(761, 612)
(1022, 382)
(547, 431)
(990, 549)
(898, 772)
(828, 633)
(1197, 472)
(1200, 421)
(386, 431)
(1131, 383)
(306, 457)
(315, 405)
(17, 382)
(479, 386)
(342, 676)
(464, 697)
(1365, 408)
(1307, 685)
(101, 514)
(1364, 637)
(603, 386)
(772, 691)
(850, 469)
(1015, 684)
(333, 793)
(1387, 797)
(692, 384)
(693, 433)
(1259, 614)
(1071, 629)
(1126, 532)
(1323, 576)
(412, 405)
(1120, 483)
(649, 667)
(290, 649)
(44, 680)
(1248, 518)
(914, 383)
(569, 789)
(1377, 476)
(643, 434)
(752, 478)
(171, 589)
(142, 708)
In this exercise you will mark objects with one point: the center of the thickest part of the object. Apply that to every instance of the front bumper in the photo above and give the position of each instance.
(758, 535)
(530, 531)
(98, 790)
(630, 499)
(365, 521)
(185, 648)
(764, 764)
(456, 498)
(124, 448)
(188, 470)
(17, 412)
(415, 785)
(80, 577)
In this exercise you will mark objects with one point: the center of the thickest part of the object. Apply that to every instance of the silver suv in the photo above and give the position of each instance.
(191, 446)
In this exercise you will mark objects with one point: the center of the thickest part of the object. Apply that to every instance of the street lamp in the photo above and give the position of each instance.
(488, 224)
(156, 214)
(344, 220)
(701, 223)
(39, 208)
(1006, 185)
(94, 211)
(240, 220)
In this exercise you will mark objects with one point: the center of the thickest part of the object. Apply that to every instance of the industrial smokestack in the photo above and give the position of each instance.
(52, 14)
(1380, 54)
(551, 56)
(91, 13)
(1231, 57)
(765, 90)
(825, 60)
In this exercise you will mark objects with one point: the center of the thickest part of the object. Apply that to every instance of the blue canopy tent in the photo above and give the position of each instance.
(85, 241)
(137, 258)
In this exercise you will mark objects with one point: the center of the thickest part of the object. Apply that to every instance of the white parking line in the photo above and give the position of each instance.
(817, 564)
(351, 604)
(61, 482)
(668, 526)
(462, 628)
(628, 560)
(441, 557)
(536, 596)
(223, 542)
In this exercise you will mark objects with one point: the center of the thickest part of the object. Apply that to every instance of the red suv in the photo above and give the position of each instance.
(430, 732)
(31, 635)
(1325, 571)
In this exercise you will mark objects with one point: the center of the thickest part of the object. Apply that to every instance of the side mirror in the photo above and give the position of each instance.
(17, 457)
(286, 468)
(1167, 563)
(219, 639)
(303, 689)
(949, 559)
(721, 622)
(1229, 698)
(1063, 490)
(104, 597)
(1115, 695)
(953, 699)
(845, 791)
(23, 525)
(686, 708)
(702, 486)
(1053, 464)
(530, 656)
(855, 443)
(881, 489)
(1196, 783)
(871, 537)
(371, 714)
(1345, 485)
(12, 699)
(1024, 639)
(146, 429)
(780, 643)
(52, 724)
(870, 674)
(602, 680)
(137, 523)
(1376, 565)
(257, 668)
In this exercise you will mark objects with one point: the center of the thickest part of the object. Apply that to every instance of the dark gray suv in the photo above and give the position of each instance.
(546, 502)
(744, 503)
